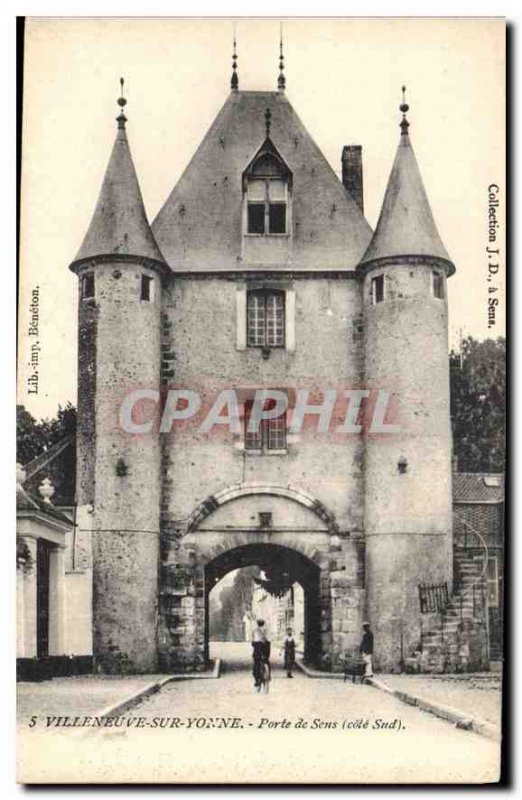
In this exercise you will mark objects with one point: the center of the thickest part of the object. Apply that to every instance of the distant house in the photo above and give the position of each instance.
(279, 614)
(478, 534)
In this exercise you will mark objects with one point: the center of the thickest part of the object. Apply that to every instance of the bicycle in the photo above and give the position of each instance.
(265, 676)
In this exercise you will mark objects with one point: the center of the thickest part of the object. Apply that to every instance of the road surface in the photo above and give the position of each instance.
(304, 730)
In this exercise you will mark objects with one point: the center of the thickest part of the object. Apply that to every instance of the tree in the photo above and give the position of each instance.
(30, 441)
(478, 395)
(226, 619)
(56, 429)
(34, 438)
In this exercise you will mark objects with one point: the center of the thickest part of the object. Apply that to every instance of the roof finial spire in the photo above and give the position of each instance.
(234, 80)
(281, 81)
(268, 118)
(121, 118)
(404, 107)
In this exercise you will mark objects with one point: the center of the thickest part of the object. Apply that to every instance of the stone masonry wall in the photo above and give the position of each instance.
(348, 598)
(187, 569)
(200, 319)
(125, 527)
(408, 525)
(86, 426)
(199, 329)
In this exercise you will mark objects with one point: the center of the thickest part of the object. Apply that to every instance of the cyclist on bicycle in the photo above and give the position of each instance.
(260, 651)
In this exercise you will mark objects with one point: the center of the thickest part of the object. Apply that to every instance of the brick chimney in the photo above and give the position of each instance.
(351, 160)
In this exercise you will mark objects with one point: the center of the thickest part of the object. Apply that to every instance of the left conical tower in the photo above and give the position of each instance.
(120, 271)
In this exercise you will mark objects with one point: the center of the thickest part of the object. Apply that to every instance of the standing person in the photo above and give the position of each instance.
(366, 650)
(260, 650)
(289, 651)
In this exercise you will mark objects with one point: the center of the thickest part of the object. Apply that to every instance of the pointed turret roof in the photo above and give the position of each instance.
(199, 228)
(119, 226)
(406, 226)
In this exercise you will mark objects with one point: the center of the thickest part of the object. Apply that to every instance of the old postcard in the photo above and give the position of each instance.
(260, 480)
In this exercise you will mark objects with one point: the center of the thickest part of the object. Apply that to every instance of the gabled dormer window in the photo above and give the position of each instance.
(267, 191)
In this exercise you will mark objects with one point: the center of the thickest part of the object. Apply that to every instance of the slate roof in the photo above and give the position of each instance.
(478, 487)
(23, 501)
(29, 503)
(119, 224)
(199, 228)
(406, 226)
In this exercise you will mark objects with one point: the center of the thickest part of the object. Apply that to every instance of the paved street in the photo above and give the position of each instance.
(479, 695)
(85, 694)
(222, 730)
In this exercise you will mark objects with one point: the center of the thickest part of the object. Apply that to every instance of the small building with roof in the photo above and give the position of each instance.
(54, 584)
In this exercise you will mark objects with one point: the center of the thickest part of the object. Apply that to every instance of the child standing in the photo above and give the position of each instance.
(289, 663)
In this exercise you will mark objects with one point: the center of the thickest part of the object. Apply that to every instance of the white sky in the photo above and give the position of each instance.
(343, 79)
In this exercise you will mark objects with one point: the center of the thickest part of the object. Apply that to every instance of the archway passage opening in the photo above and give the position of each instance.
(262, 562)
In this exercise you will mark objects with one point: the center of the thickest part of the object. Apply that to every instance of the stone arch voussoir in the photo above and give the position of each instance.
(214, 501)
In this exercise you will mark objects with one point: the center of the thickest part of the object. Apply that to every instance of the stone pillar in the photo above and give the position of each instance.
(318, 614)
(27, 605)
(57, 644)
(20, 613)
(347, 591)
(181, 635)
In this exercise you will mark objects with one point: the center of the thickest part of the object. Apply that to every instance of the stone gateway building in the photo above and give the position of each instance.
(261, 271)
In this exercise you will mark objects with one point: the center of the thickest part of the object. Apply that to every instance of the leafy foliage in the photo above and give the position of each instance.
(478, 396)
(24, 559)
(30, 441)
(34, 438)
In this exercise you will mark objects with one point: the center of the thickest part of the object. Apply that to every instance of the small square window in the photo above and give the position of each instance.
(87, 286)
(378, 289)
(438, 285)
(256, 217)
(270, 435)
(146, 288)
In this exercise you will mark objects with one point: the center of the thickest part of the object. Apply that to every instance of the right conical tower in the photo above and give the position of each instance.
(408, 525)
